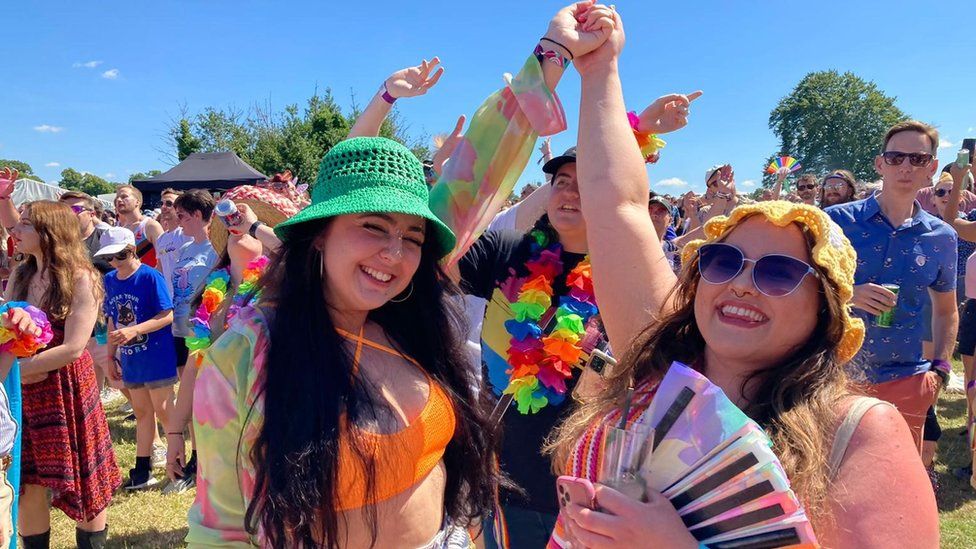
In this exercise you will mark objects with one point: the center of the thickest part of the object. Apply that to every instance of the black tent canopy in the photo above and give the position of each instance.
(212, 171)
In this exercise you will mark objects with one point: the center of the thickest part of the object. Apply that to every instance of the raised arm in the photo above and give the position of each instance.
(966, 229)
(631, 275)
(487, 162)
(8, 212)
(408, 82)
(778, 186)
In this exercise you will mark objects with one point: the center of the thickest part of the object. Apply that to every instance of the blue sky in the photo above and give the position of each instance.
(146, 59)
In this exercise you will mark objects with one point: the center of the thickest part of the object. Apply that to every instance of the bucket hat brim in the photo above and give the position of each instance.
(369, 200)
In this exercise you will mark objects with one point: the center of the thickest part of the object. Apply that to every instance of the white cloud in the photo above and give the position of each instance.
(52, 165)
(945, 143)
(110, 175)
(672, 182)
(87, 64)
(748, 183)
(970, 129)
(47, 128)
(111, 74)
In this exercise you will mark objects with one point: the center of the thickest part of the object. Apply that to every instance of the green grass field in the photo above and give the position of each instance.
(149, 519)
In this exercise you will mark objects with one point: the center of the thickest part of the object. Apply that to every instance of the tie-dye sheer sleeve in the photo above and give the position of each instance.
(226, 420)
(487, 162)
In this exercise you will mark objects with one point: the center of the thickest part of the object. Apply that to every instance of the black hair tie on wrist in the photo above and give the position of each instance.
(569, 51)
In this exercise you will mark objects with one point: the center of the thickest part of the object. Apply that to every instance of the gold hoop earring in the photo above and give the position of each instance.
(406, 297)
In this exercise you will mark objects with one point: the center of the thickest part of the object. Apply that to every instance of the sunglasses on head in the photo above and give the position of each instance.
(79, 209)
(807, 187)
(774, 275)
(896, 158)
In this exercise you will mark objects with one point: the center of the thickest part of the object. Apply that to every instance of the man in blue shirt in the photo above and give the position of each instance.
(899, 243)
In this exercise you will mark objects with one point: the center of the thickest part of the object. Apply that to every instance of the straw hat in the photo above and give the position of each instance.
(832, 251)
(271, 205)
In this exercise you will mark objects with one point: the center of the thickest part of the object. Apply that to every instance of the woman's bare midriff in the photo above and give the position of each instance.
(407, 520)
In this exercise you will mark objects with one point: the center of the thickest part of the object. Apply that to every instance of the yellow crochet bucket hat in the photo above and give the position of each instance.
(832, 252)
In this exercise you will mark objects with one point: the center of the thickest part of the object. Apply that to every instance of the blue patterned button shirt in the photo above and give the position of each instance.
(918, 255)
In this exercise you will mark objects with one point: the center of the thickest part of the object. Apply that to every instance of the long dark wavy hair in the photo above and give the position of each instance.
(309, 385)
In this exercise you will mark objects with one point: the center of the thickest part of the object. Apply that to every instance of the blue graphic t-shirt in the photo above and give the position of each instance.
(148, 357)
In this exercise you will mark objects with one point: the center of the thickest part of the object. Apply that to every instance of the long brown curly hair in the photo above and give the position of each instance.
(796, 400)
(64, 256)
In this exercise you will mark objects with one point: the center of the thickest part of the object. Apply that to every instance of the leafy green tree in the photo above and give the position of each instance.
(140, 175)
(186, 142)
(23, 167)
(295, 139)
(91, 184)
(833, 120)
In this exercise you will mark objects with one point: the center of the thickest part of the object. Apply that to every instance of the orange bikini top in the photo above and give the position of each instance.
(400, 459)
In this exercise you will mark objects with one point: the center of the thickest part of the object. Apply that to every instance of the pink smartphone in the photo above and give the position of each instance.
(575, 490)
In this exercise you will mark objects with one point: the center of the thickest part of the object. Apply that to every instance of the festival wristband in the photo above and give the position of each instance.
(254, 229)
(942, 368)
(553, 56)
(567, 50)
(386, 95)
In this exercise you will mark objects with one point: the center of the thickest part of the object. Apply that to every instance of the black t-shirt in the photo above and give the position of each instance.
(494, 269)
(92, 243)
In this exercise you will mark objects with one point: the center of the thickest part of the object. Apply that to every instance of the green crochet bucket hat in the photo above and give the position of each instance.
(370, 174)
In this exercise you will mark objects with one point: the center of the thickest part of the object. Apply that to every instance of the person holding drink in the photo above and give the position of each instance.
(903, 253)
(761, 310)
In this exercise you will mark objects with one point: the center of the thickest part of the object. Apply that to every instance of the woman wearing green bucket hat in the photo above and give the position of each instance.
(345, 389)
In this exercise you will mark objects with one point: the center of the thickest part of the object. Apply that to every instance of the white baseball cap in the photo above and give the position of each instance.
(114, 240)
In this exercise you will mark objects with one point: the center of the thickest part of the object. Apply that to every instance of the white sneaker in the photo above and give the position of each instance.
(181, 485)
(956, 384)
(140, 480)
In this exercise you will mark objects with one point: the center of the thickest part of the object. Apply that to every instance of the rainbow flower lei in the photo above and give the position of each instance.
(541, 364)
(213, 296)
(20, 344)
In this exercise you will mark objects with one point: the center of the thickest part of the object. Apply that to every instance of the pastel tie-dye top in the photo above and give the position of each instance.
(488, 161)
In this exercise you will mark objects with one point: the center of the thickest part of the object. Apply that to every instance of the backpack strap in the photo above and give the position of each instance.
(846, 431)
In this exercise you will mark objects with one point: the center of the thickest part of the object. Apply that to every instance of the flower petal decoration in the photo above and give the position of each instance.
(523, 329)
(541, 365)
(22, 344)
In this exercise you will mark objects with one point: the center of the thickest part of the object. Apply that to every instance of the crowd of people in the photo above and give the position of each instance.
(404, 358)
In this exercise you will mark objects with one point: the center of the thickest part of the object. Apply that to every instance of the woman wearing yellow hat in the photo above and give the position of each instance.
(761, 309)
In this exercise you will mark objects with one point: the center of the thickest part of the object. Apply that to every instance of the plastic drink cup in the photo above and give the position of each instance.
(226, 210)
(623, 453)
(886, 319)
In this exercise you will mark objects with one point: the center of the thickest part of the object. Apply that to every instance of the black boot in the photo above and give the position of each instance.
(37, 541)
(91, 540)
